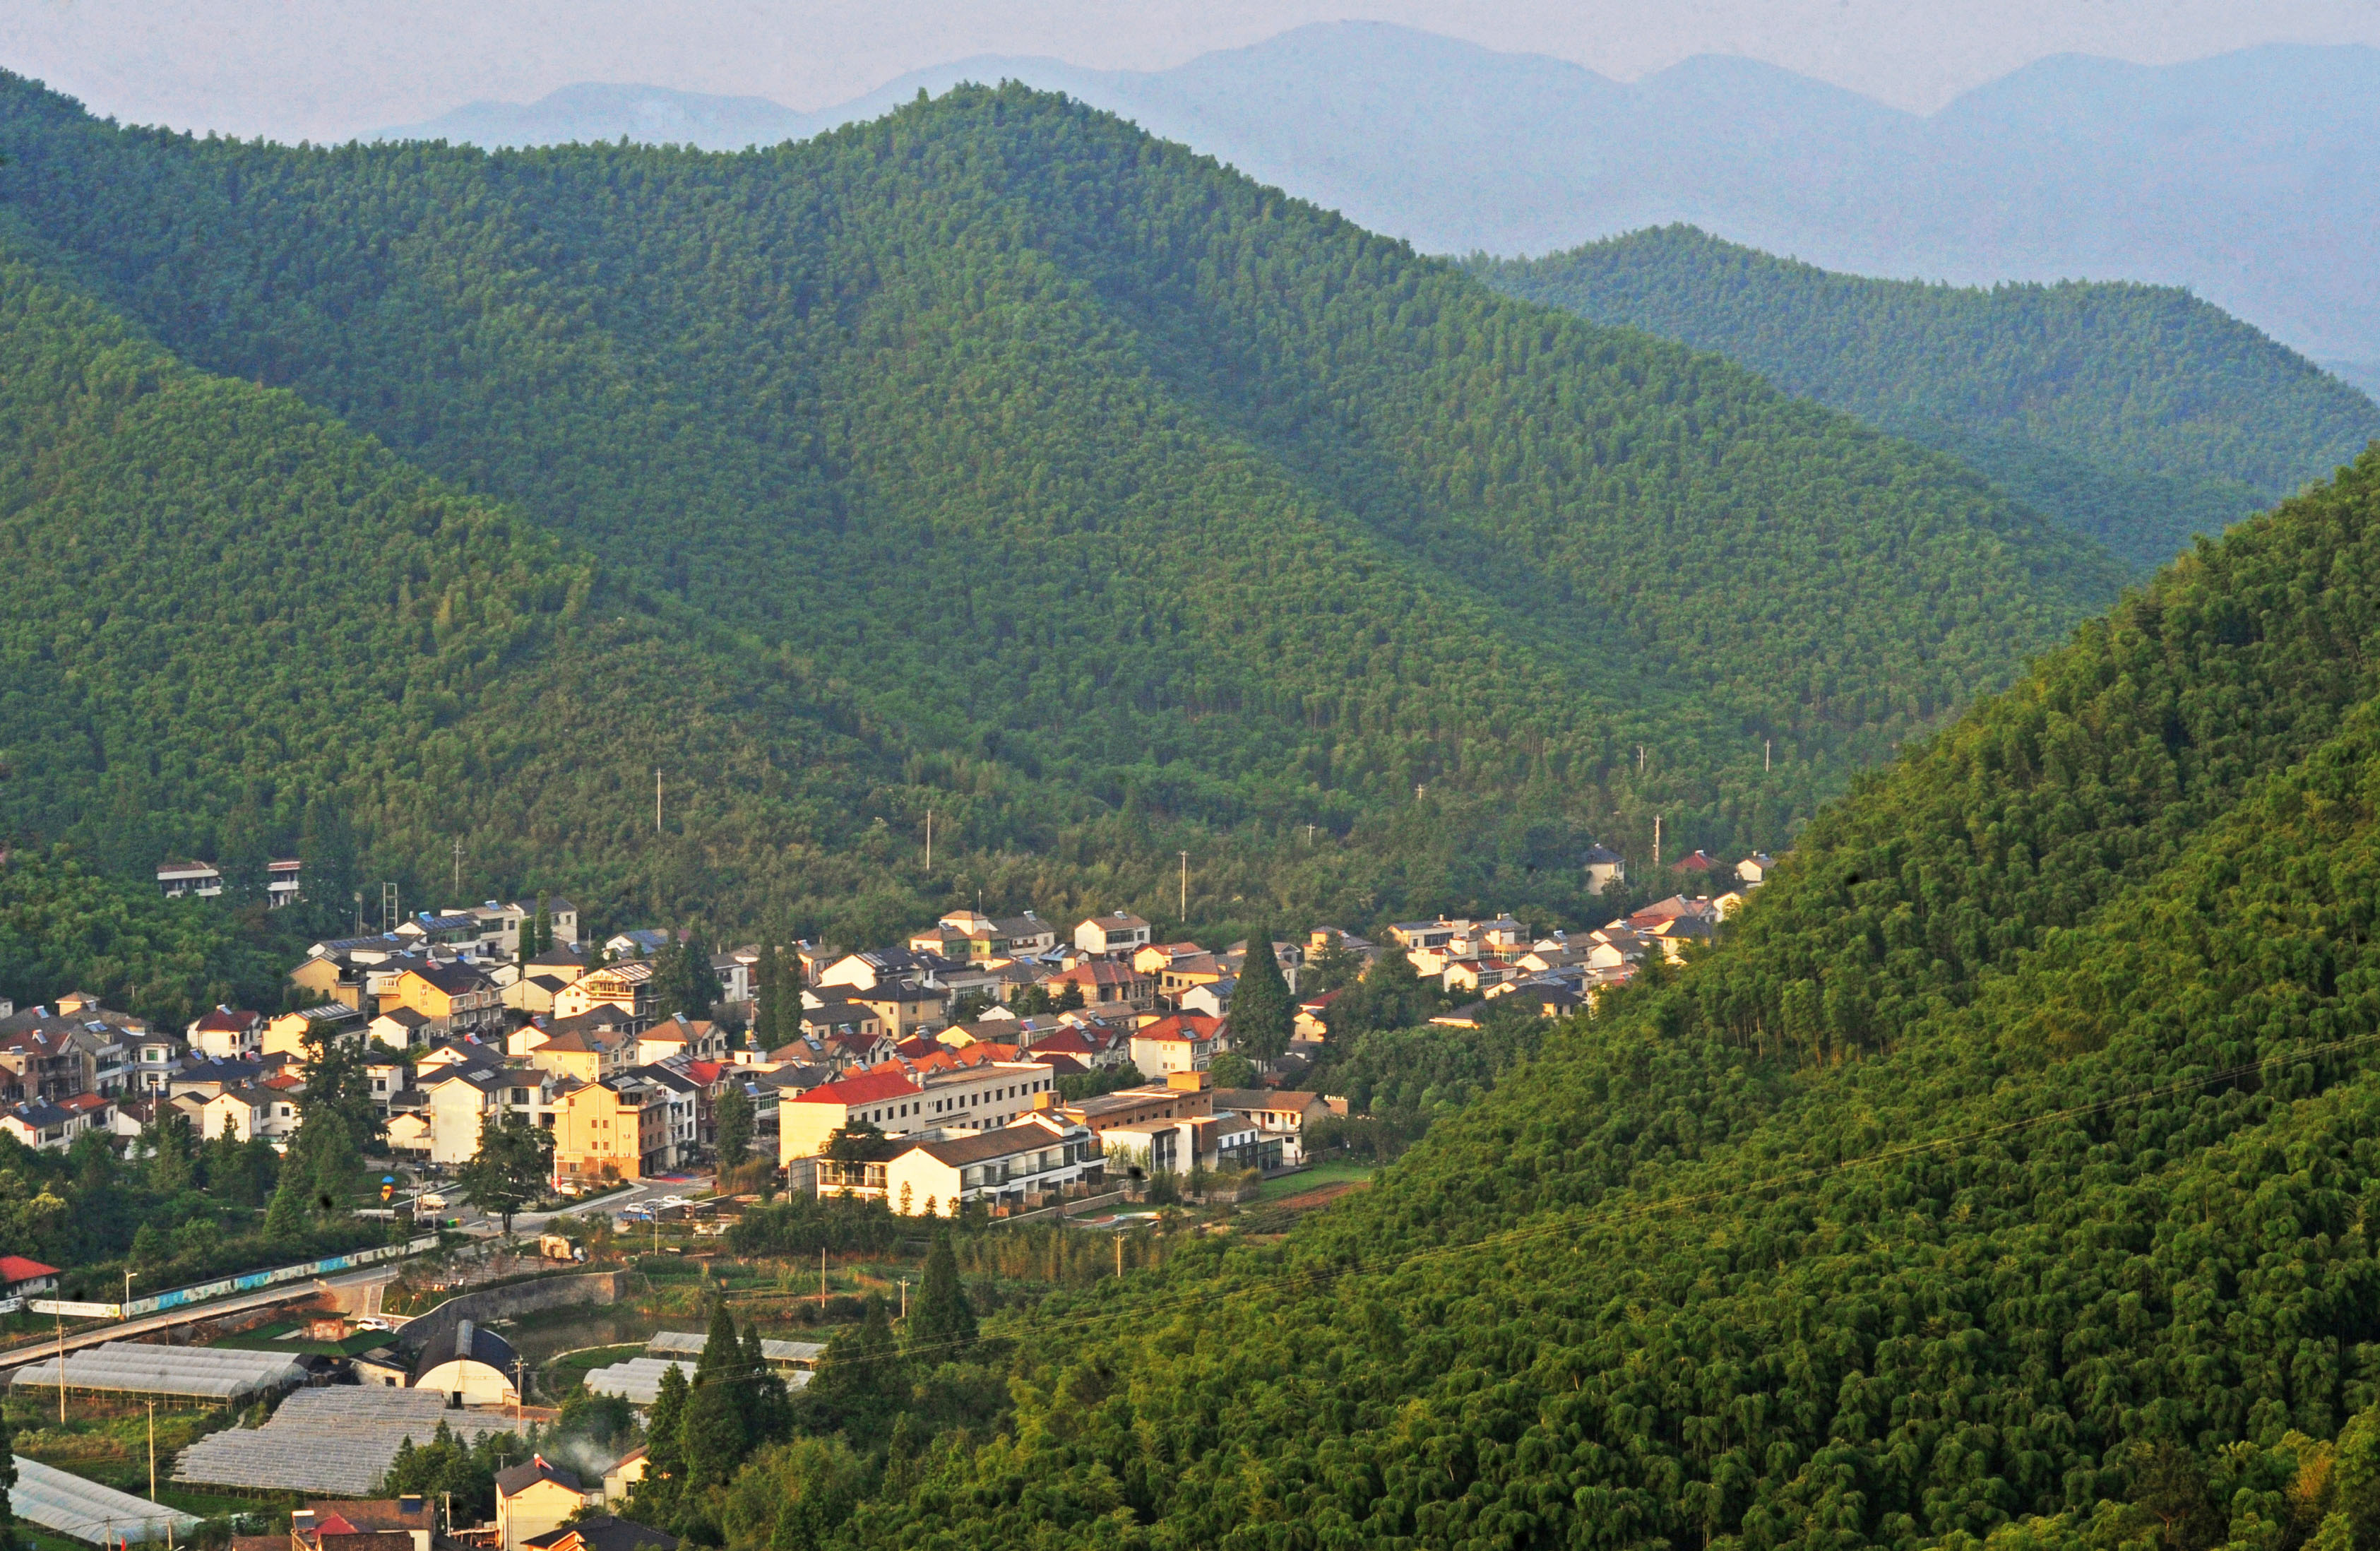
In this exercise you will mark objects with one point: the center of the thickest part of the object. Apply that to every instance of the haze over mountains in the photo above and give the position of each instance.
(2002, 1178)
(2253, 178)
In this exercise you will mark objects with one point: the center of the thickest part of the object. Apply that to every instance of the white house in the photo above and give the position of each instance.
(1116, 932)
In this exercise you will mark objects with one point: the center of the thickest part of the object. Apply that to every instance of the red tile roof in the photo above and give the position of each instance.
(865, 1088)
(1181, 1025)
(16, 1269)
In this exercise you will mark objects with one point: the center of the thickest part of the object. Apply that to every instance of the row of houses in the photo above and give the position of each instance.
(961, 1030)
(1562, 972)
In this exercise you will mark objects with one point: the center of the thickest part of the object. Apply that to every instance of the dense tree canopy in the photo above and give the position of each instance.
(2003, 1174)
(2137, 413)
(1015, 466)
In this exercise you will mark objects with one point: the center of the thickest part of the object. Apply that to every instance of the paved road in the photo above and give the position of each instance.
(628, 1198)
(289, 1292)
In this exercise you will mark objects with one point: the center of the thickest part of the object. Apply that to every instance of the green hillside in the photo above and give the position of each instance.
(2136, 414)
(2012, 1159)
(234, 626)
(1114, 504)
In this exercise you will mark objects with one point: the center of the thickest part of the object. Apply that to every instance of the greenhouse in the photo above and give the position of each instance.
(184, 1372)
(794, 1354)
(337, 1441)
(637, 1381)
(87, 1510)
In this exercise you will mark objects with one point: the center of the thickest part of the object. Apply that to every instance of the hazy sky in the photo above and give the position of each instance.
(332, 68)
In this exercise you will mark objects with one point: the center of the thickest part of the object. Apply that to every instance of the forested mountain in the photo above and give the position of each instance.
(1061, 482)
(236, 626)
(2004, 1173)
(2250, 176)
(2136, 414)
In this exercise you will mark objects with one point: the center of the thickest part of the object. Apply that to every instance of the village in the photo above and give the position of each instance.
(972, 1025)
(996, 1074)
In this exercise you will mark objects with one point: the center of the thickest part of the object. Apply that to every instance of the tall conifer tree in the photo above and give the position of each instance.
(1262, 1012)
(941, 1318)
(716, 1438)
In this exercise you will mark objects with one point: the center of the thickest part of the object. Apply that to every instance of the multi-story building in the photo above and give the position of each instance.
(331, 1021)
(590, 1047)
(626, 988)
(228, 1034)
(1186, 1042)
(1117, 932)
(1108, 985)
(1180, 1096)
(454, 997)
(181, 879)
(617, 1129)
(1020, 1165)
(898, 1100)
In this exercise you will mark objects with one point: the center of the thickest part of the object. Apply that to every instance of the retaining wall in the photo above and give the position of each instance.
(598, 1288)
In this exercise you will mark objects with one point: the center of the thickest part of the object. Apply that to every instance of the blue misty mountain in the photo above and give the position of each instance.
(601, 111)
(2253, 178)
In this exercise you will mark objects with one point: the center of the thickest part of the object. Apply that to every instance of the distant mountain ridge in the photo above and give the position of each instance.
(2253, 178)
(2139, 414)
(593, 111)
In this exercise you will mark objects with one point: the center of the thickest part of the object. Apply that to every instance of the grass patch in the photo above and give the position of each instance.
(567, 1372)
(1336, 1172)
(275, 1338)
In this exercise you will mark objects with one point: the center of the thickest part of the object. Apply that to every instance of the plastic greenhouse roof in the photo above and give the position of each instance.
(67, 1503)
(690, 1343)
(337, 1440)
(637, 1381)
(141, 1368)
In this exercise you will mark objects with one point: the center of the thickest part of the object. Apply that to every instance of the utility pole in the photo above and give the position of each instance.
(929, 839)
(152, 1450)
(62, 1367)
(1119, 1255)
(1309, 837)
(1185, 889)
(1656, 847)
(821, 1276)
(656, 799)
(1765, 746)
(904, 1298)
(458, 867)
(1640, 759)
